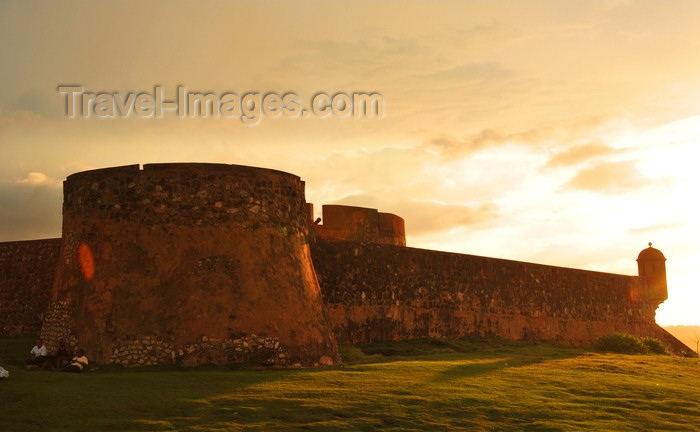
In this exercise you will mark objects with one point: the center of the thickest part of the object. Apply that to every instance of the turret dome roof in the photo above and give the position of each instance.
(651, 254)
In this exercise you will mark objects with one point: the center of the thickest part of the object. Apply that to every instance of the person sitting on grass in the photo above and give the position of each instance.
(63, 355)
(38, 354)
(78, 362)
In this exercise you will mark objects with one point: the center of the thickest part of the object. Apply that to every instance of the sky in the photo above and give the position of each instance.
(561, 133)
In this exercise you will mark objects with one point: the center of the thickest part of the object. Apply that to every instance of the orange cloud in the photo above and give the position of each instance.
(423, 217)
(37, 178)
(30, 208)
(454, 148)
(578, 154)
(480, 72)
(609, 177)
(658, 227)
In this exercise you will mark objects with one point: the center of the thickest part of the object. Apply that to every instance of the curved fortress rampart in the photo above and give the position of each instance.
(188, 263)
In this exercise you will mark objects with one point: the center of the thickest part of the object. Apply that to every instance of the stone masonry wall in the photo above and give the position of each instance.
(369, 295)
(360, 224)
(381, 292)
(211, 263)
(188, 263)
(27, 271)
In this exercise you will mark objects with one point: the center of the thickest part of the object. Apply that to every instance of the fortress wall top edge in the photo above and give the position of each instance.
(391, 216)
(530, 264)
(124, 169)
(186, 194)
(347, 208)
(175, 167)
(215, 167)
(30, 243)
(341, 206)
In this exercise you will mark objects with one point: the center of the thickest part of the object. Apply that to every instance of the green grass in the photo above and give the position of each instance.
(475, 384)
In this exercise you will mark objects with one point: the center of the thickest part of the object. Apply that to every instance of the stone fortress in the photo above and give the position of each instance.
(210, 263)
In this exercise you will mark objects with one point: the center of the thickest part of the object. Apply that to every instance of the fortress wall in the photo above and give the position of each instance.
(392, 230)
(27, 270)
(188, 263)
(196, 263)
(361, 224)
(380, 292)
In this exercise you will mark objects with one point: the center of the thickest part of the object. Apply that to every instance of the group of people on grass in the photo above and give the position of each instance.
(62, 361)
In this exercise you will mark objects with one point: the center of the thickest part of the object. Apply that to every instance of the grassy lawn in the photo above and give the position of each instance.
(418, 385)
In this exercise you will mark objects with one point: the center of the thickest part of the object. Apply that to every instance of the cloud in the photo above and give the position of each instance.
(350, 61)
(41, 103)
(37, 178)
(425, 217)
(422, 217)
(389, 170)
(579, 154)
(551, 135)
(657, 227)
(588, 257)
(609, 177)
(30, 208)
(407, 174)
(16, 118)
(466, 73)
(452, 148)
(469, 145)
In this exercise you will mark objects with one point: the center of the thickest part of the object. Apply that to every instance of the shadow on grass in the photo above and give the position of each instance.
(120, 399)
(504, 358)
(325, 399)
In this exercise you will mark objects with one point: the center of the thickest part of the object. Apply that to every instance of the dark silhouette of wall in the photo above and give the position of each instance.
(651, 265)
(188, 263)
(382, 292)
(360, 224)
(194, 263)
(27, 272)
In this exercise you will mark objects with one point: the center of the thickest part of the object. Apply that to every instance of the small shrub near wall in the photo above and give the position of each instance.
(654, 346)
(627, 344)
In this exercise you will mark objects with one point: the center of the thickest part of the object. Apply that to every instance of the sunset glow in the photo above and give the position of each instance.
(563, 133)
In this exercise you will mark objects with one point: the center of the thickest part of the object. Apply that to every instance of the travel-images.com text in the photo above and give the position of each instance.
(249, 107)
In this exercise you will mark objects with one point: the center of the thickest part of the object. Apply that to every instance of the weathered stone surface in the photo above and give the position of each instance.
(383, 292)
(149, 254)
(27, 272)
(360, 224)
(202, 263)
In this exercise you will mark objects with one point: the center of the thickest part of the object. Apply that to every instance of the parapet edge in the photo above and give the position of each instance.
(178, 166)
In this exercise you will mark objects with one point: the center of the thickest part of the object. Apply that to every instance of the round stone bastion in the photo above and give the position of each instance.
(188, 264)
